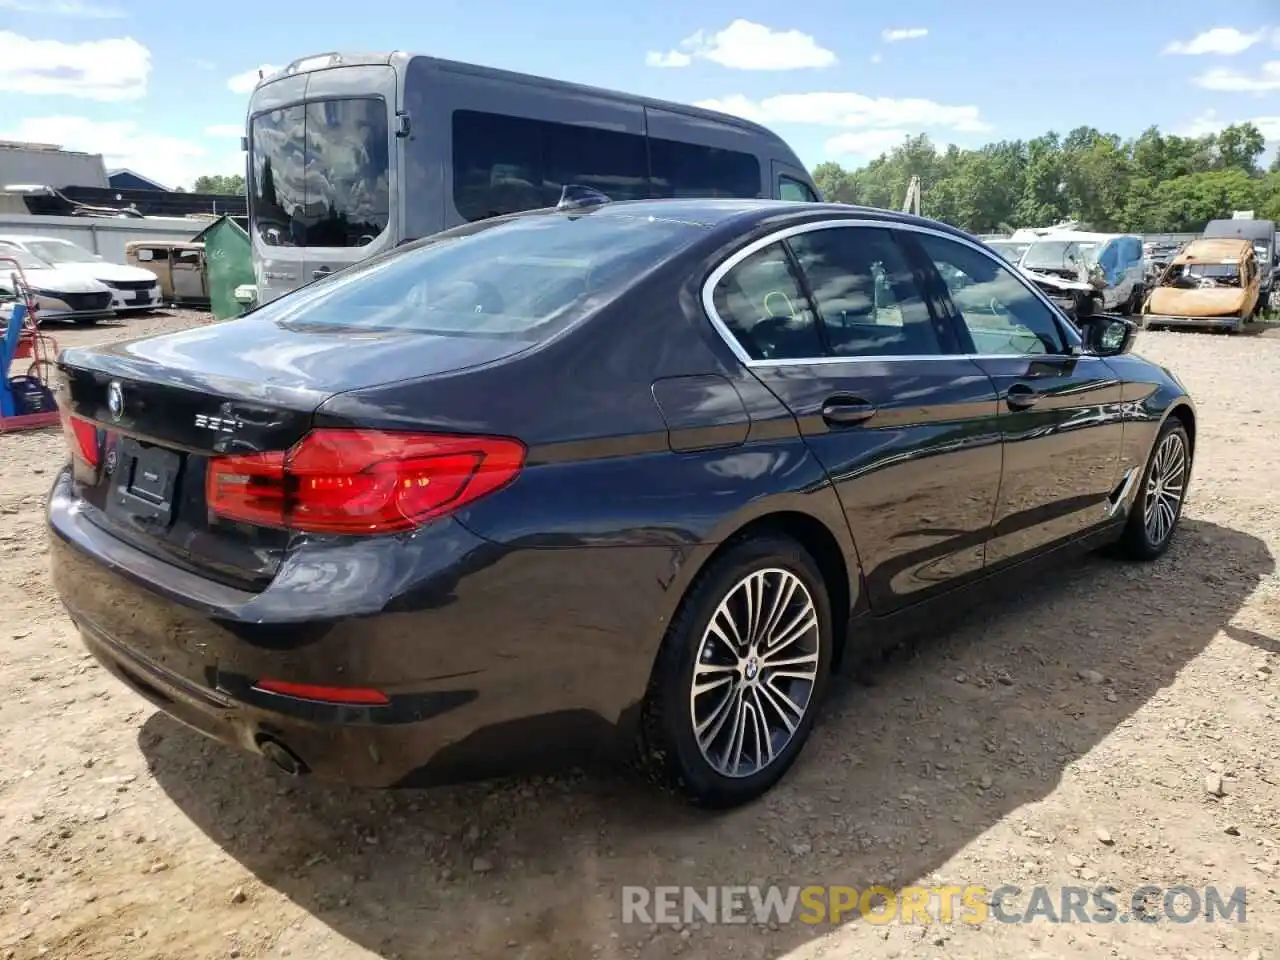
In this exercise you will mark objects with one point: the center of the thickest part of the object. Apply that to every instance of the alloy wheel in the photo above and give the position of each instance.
(756, 668)
(1165, 485)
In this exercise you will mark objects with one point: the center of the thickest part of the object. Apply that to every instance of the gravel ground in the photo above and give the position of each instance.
(1115, 725)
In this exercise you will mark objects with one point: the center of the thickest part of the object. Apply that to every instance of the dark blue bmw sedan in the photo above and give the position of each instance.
(611, 475)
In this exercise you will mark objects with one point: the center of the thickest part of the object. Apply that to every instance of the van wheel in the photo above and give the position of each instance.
(740, 675)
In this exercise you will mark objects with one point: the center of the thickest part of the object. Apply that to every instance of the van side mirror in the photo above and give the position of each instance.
(1107, 336)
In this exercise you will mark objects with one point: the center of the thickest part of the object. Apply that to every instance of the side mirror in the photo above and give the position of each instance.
(1107, 336)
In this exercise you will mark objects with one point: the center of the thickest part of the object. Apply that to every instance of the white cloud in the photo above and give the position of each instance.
(744, 45)
(1225, 41)
(903, 33)
(123, 143)
(245, 82)
(851, 110)
(672, 58)
(64, 8)
(1233, 81)
(867, 144)
(1209, 122)
(106, 70)
(225, 130)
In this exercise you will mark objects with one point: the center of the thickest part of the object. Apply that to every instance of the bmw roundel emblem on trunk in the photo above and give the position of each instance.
(115, 400)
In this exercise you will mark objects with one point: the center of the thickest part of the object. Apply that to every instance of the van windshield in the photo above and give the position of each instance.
(1060, 254)
(525, 278)
(318, 173)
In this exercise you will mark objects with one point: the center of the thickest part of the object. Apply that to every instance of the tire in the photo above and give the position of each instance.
(1140, 541)
(671, 753)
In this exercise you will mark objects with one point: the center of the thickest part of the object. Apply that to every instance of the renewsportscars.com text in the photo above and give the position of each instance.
(971, 904)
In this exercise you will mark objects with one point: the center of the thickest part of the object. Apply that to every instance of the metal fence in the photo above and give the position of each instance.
(105, 236)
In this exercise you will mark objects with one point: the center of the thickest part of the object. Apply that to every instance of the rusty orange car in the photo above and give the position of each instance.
(1210, 283)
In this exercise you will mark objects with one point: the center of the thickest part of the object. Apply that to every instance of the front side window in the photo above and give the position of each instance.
(762, 303)
(791, 189)
(1000, 313)
(523, 279)
(319, 173)
(865, 293)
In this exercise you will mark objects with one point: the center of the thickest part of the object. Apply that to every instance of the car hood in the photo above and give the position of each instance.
(56, 280)
(1198, 302)
(108, 272)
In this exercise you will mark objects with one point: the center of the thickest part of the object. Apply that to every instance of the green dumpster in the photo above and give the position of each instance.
(229, 263)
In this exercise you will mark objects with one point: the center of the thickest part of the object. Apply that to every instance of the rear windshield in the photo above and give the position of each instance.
(319, 173)
(525, 279)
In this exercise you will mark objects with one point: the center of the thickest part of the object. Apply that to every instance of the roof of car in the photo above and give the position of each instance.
(709, 212)
(1214, 248)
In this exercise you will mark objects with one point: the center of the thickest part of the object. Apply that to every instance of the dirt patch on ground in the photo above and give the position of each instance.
(1116, 725)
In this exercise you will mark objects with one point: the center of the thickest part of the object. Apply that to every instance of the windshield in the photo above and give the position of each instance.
(319, 173)
(25, 260)
(56, 251)
(1060, 254)
(525, 278)
(1011, 250)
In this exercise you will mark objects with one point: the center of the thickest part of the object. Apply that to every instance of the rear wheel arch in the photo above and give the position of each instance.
(843, 582)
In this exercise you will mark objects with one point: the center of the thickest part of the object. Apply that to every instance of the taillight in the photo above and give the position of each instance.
(360, 481)
(82, 437)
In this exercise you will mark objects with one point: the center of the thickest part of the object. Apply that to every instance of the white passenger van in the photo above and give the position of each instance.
(350, 154)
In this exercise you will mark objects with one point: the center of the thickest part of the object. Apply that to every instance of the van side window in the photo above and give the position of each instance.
(689, 170)
(791, 189)
(507, 164)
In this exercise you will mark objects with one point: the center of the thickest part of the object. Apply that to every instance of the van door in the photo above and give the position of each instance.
(791, 183)
(692, 156)
(350, 167)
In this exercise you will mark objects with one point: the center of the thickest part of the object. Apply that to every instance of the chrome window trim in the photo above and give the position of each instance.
(735, 258)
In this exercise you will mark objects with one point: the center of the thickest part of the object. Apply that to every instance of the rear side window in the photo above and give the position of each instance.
(688, 170)
(524, 279)
(507, 164)
(865, 293)
(762, 303)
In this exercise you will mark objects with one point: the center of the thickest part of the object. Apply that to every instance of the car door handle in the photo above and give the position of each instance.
(845, 411)
(319, 272)
(1021, 396)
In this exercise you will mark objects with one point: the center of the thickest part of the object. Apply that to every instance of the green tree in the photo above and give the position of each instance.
(231, 186)
(1152, 182)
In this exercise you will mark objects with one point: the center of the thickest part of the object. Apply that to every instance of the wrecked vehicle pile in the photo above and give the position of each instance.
(1211, 283)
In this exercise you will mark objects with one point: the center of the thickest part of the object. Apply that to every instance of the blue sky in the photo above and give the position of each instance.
(162, 91)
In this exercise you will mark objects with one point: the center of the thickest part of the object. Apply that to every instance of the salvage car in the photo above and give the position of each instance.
(58, 294)
(1112, 264)
(133, 290)
(638, 475)
(1211, 283)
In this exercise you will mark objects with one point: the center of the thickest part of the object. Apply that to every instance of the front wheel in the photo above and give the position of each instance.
(1158, 505)
(737, 682)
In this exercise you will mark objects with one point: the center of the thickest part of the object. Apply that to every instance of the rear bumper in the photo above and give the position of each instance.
(482, 680)
(1230, 323)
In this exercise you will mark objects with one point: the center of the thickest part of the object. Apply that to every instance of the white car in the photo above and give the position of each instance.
(59, 294)
(132, 288)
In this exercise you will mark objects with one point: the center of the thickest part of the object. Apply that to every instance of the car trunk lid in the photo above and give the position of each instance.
(155, 412)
